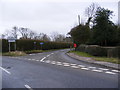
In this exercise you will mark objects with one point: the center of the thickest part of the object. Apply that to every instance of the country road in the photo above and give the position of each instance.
(54, 69)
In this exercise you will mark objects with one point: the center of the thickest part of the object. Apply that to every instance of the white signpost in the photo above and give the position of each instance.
(10, 40)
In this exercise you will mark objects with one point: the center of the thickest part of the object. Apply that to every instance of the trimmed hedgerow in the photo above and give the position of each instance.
(96, 50)
(26, 45)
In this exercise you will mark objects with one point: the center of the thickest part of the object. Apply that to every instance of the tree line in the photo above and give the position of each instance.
(26, 33)
(98, 30)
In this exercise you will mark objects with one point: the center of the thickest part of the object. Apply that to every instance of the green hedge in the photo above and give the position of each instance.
(100, 51)
(26, 45)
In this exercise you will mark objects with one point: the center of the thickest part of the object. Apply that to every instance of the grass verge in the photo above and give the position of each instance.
(14, 53)
(33, 51)
(105, 59)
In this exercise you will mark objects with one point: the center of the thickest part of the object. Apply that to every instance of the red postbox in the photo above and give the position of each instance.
(75, 45)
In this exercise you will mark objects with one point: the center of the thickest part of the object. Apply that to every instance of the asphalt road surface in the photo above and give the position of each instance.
(54, 69)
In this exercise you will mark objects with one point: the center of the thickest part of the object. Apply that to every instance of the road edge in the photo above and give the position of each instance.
(93, 61)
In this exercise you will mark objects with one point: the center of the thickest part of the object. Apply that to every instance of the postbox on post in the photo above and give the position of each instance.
(75, 45)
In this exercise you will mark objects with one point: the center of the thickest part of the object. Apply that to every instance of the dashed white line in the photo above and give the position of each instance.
(97, 70)
(28, 87)
(5, 70)
(74, 66)
(48, 55)
(85, 68)
(47, 61)
(103, 68)
(31, 54)
(52, 53)
(115, 70)
(58, 64)
(81, 66)
(110, 72)
(66, 65)
(92, 67)
(29, 59)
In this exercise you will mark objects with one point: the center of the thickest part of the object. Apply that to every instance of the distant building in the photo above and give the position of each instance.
(119, 13)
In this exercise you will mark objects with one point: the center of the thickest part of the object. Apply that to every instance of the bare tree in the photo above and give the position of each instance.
(32, 34)
(43, 37)
(14, 32)
(24, 32)
(57, 37)
(90, 12)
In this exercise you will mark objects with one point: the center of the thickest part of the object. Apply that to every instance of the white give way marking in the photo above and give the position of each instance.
(5, 70)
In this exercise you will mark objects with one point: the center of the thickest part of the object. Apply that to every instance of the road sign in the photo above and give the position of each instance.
(11, 40)
(41, 43)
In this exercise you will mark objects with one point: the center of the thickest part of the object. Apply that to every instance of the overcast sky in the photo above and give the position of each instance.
(47, 16)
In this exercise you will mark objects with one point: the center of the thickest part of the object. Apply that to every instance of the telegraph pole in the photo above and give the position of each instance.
(79, 19)
(119, 13)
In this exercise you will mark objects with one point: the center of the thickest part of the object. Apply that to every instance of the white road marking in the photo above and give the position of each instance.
(28, 87)
(5, 70)
(31, 54)
(66, 65)
(48, 55)
(81, 66)
(43, 59)
(29, 59)
(115, 70)
(58, 64)
(92, 67)
(97, 70)
(53, 63)
(47, 61)
(110, 72)
(85, 68)
(74, 66)
(52, 53)
(103, 68)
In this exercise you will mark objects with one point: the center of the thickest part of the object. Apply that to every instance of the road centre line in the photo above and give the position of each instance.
(28, 87)
(5, 70)
(43, 59)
